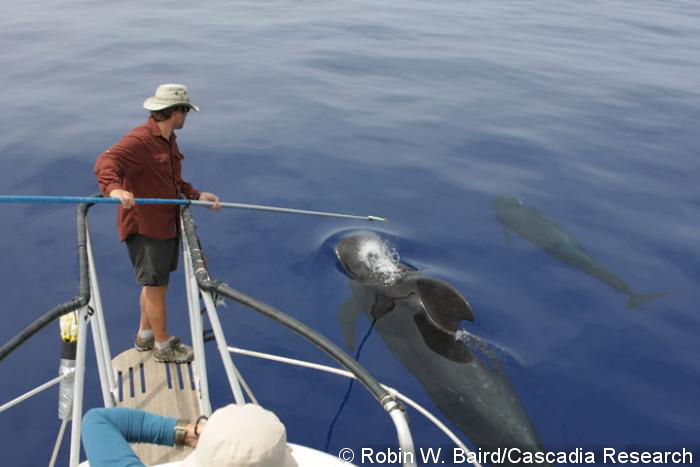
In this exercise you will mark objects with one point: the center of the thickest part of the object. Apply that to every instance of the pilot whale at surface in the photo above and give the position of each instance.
(538, 230)
(417, 317)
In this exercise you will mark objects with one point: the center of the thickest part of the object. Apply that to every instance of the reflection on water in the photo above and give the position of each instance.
(546, 234)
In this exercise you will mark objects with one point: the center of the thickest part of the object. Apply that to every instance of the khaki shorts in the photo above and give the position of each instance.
(153, 260)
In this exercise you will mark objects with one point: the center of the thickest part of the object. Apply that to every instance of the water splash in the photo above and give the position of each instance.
(487, 349)
(382, 260)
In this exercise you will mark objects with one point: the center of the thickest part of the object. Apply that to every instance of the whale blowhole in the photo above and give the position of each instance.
(381, 259)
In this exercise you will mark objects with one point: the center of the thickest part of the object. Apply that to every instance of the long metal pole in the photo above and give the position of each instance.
(182, 202)
(304, 212)
(102, 368)
(59, 438)
(199, 366)
(337, 371)
(34, 391)
(404, 433)
(229, 367)
(99, 331)
(78, 389)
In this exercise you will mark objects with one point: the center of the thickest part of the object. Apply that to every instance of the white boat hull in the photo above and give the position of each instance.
(304, 456)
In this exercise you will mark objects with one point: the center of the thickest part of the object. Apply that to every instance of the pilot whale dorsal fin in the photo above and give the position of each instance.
(440, 342)
(443, 304)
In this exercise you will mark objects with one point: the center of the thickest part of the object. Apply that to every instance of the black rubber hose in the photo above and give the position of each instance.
(206, 283)
(77, 302)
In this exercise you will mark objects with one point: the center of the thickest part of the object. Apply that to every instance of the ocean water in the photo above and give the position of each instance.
(421, 112)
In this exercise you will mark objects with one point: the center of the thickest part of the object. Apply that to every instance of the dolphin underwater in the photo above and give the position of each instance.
(417, 317)
(538, 230)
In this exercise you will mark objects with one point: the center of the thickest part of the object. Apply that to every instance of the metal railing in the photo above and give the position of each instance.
(199, 285)
(208, 286)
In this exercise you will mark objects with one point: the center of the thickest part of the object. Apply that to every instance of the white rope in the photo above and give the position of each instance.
(58, 442)
(35, 391)
(347, 374)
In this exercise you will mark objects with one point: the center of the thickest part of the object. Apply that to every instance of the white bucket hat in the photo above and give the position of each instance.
(242, 436)
(169, 95)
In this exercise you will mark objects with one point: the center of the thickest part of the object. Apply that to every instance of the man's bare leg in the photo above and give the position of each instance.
(153, 311)
(144, 325)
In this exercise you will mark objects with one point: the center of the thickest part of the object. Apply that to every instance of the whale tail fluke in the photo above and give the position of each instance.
(638, 299)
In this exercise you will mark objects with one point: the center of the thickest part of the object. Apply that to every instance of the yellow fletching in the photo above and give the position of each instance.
(69, 327)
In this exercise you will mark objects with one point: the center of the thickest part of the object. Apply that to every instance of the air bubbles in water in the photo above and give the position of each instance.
(381, 259)
(482, 347)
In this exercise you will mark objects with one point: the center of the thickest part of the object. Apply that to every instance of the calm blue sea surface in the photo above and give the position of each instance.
(423, 112)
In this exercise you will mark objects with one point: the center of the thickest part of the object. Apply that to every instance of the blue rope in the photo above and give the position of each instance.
(85, 199)
(349, 390)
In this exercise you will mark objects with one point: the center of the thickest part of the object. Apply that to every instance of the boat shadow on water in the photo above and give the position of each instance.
(418, 319)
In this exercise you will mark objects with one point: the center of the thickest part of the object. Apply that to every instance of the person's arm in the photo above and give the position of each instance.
(191, 193)
(187, 189)
(113, 165)
(108, 432)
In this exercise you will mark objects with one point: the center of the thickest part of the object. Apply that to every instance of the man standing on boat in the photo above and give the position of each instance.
(146, 163)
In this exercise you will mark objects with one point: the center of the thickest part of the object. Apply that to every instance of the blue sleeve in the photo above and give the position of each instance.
(107, 433)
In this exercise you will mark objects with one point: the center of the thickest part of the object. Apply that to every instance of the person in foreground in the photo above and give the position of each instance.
(234, 436)
(146, 163)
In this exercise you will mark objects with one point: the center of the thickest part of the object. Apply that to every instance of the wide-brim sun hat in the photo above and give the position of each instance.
(242, 436)
(169, 95)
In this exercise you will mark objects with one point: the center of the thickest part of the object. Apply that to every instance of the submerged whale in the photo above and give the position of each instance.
(418, 317)
(538, 230)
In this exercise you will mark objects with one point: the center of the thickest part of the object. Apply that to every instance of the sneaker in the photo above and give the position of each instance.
(174, 353)
(144, 344)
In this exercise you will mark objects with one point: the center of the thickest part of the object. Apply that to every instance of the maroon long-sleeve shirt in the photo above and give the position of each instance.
(149, 166)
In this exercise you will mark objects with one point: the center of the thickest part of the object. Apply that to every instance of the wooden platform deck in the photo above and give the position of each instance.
(165, 389)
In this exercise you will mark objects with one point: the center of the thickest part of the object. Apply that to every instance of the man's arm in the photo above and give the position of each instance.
(113, 165)
(187, 189)
(191, 193)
